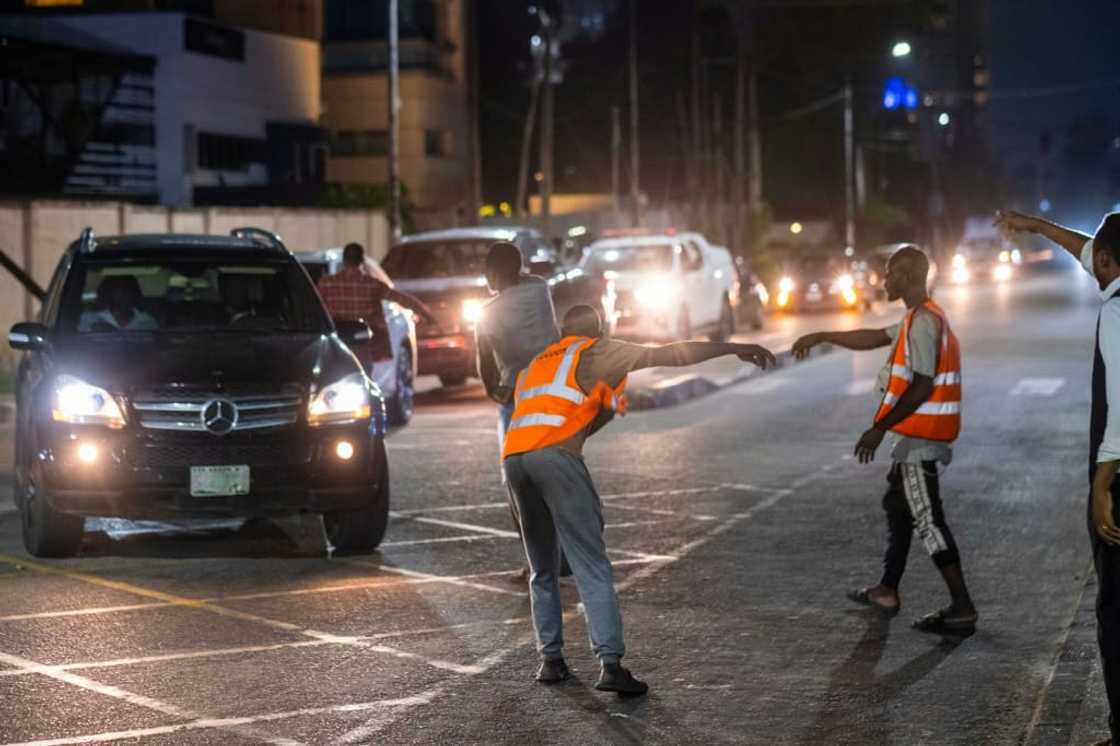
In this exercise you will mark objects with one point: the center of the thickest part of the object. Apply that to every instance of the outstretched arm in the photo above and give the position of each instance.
(1069, 239)
(410, 302)
(682, 354)
(859, 339)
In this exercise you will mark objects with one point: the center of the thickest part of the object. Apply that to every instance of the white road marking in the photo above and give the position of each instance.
(440, 578)
(1037, 386)
(137, 700)
(464, 526)
(860, 387)
(403, 703)
(431, 695)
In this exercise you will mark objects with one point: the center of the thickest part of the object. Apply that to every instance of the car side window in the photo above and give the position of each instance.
(691, 260)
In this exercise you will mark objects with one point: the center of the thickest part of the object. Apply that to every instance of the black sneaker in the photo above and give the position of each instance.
(553, 671)
(614, 678)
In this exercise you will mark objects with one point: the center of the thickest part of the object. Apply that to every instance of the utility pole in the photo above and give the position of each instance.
(849, 167)
(738, 146)
(635, 161)
(754, 183)
(616, 158)
(470, 8)
(526, 147)
(394, 126)
(546, 125)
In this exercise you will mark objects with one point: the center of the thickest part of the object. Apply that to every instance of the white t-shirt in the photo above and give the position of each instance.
(140, 320)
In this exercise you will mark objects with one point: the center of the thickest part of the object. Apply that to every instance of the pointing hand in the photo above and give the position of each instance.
(804, 345)
(756, 354)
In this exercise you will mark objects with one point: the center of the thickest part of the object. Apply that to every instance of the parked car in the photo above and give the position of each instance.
(176, 376)
(669, 285)
(446, 270)
(819, 282)
(395, 377)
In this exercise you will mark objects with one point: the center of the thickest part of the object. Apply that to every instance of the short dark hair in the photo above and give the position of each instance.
(503, 260)
(913, 256)
(1108, 235)
(583, 321)
(353, 254)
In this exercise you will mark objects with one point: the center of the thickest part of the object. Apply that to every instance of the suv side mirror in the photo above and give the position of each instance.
(353, 332)
(29, 336)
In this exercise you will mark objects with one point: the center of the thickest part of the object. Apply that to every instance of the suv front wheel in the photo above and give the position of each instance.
(360, 530)
(46, 532)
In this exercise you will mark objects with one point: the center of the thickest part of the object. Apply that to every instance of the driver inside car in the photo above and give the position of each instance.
(118, 301)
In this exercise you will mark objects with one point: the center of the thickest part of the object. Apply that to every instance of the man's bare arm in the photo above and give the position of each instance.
(681, 354)
(858, 339)
(1069, 239)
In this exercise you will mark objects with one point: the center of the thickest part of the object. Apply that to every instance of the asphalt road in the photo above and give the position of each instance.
(737, 522)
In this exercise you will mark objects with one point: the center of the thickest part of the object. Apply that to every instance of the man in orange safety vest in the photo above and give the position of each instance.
(567, 393)
(920, 390)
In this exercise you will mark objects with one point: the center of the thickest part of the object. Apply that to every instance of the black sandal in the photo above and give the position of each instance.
(947, 622)
(863, 596)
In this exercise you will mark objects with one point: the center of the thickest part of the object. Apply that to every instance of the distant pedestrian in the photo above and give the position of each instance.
(566, 394)
(920, 386)
(515, 326)
(354, 294)
(1100, 256)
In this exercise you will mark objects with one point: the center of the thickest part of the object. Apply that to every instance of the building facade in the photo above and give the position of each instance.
(436, 118)
(186, 110)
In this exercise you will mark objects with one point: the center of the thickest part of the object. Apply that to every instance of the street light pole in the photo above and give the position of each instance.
(635, 163)
(394, 126)
(849, 168)
(546, 125)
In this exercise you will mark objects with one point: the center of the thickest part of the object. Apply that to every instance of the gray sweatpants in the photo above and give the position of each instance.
(560, 509)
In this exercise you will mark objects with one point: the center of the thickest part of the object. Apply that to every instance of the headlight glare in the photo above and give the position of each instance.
(655, 293)
(472, 310)
(78, 403)
(346, 400)
(786, 284)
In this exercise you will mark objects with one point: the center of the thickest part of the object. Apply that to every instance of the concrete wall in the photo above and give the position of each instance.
(35, 234)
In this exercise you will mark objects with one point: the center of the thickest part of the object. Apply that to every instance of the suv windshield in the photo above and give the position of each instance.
(456, 258)
(190, 295)
(633, 258)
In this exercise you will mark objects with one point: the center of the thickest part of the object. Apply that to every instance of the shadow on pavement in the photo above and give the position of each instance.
(857, 700)
(624, 719)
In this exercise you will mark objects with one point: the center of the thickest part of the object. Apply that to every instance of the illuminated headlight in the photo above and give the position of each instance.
(959, 261)
(1004, 256)
(844, 283)
(961, 275)
(1002, 273)
(78, 403)
(655, 294)
(472, 310)
(783, 298)
(343, 401)
(785, 285)
(1016, 256)
(849, 296)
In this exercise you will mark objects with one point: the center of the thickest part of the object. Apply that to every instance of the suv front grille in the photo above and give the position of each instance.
(185, 409)
(261, 454)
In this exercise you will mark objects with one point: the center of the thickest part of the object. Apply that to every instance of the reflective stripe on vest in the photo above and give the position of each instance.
(550, 407)
(939, 417)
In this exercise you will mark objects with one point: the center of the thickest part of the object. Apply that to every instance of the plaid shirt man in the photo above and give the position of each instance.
(355, 296)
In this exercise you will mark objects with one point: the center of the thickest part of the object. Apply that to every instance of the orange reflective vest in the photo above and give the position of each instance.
(550, 407)
(939, 417)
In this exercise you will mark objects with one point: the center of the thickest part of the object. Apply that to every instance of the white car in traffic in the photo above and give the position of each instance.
(669, 285)
(395, 377)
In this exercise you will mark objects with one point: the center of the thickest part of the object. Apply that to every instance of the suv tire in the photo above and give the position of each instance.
(360, 531)
(46, 532)
(450, 380)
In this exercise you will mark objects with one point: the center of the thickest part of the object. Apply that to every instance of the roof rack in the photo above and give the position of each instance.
(87, 242)
(261, 236)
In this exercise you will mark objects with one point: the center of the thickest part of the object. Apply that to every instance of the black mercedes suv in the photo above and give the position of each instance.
(175, 376)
